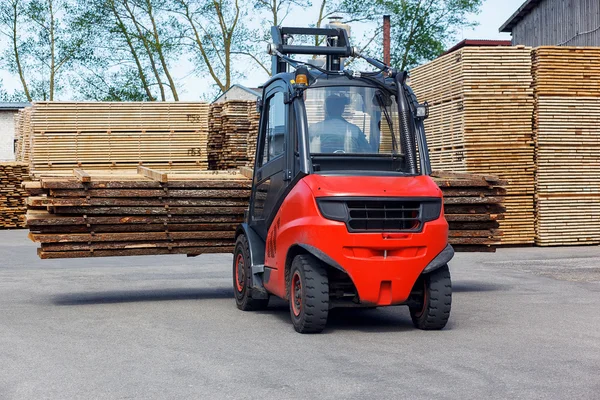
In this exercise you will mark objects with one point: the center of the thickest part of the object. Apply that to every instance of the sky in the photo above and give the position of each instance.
(493, 14)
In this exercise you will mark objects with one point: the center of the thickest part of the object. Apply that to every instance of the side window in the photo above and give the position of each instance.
(275, 128)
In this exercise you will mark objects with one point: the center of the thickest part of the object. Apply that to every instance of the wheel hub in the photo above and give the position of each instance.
(240, 273)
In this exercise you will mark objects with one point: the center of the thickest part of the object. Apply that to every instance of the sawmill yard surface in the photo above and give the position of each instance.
(524, 324)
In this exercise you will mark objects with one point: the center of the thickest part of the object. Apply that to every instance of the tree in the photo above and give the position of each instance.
(421, 29)
(12, 14)
(149, 28)
(132, 46)
(17, 95)
(214, 34)
(43, 46)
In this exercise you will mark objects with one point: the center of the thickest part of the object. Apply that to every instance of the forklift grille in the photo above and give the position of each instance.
(383, 215)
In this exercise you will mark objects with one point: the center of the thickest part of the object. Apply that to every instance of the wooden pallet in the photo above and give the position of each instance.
(481, 102)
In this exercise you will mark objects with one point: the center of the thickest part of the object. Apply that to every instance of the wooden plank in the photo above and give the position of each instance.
(134, 252)
(128, 236)
(81, 175)
(153, 174)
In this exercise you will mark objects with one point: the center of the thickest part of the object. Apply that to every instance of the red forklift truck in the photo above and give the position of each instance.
(342, 212)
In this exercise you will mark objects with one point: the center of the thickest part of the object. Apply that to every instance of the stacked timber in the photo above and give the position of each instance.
(23, 135)
(473, 206)
(481, 102)
(254, 117)
(215, 135)
(100, 214)
(567, 145)
(12, 196)
(117, 136)
(233, 134)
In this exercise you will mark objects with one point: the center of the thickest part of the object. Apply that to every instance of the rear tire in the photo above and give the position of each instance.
(308, 294)
(242, 278)
(434, 311)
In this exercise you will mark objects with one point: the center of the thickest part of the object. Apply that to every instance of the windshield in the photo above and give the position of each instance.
(352, 119)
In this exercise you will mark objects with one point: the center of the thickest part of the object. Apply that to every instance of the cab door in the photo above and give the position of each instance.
(270, 168)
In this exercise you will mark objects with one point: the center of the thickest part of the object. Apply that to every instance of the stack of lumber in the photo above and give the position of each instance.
(481, 103)
(101, 214)
(473, 206)
(233, 134)
(215, 136)
(567, 138)
(23, 135)
(104, 135)
(12, 195)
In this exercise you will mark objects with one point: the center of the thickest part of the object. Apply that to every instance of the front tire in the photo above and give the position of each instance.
(242, 278)
(436, 300)
(308, 294)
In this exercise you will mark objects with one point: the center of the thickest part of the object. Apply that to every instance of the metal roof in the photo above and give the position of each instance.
(478, 42)
(13, 106)
(253, 91)
(519, 15)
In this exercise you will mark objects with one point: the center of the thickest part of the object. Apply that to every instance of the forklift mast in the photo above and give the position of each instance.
(338, 46)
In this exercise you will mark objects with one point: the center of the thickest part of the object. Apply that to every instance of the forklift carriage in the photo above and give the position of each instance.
(342, 212)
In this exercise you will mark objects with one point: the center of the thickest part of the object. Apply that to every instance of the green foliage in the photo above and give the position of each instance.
(15, 96)
(125, 49)
(421, 29)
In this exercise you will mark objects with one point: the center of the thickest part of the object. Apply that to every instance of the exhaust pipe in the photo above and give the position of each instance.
(387, 59)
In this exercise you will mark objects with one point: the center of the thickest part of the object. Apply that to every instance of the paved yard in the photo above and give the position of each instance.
(525, 324)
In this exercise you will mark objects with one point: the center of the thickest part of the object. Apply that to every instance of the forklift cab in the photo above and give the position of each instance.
(339, 194)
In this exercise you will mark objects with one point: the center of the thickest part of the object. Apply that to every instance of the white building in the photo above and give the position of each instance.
(7, 129)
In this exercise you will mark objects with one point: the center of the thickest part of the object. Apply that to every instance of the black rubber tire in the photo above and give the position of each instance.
(242, 289)
(435, 310)
(312, 316)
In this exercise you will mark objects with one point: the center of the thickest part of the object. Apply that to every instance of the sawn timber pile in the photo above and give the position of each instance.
(481, 103)
(12, 195)
(567, 145)
(233, 131)
(473, 205)
(97, 215)
(55, 137)
(152, 212)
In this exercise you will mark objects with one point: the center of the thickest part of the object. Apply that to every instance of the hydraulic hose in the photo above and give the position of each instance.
(407, 126)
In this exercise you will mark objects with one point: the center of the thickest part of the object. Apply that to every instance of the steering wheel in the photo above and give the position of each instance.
(332, 141)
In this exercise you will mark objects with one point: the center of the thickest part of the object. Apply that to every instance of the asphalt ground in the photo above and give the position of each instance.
(525, 323)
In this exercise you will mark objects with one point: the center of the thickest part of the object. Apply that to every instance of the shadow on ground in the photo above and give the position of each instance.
(475, 286)
(385, 319)
(132, 296)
